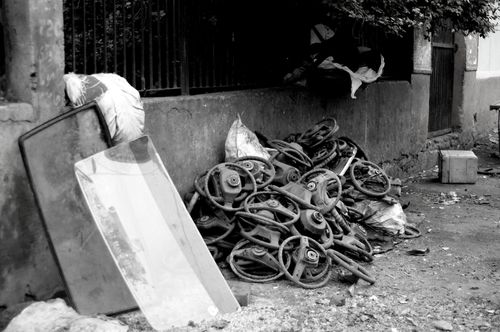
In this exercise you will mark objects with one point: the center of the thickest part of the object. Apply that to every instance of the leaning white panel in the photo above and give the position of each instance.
(151, 236)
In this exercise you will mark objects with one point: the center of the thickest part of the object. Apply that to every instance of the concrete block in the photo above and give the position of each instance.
(457, 166)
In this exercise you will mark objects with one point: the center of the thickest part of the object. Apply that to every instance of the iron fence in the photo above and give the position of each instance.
(172, 47)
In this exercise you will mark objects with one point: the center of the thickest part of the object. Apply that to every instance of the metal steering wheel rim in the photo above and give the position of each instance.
(265, 162)
(378, 170)
(211, 198)
(333, 176)
(296, 216)
(290, 277)
(350, 265)
(302, 158)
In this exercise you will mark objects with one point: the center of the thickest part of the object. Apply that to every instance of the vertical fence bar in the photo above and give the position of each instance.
(177, 43)
(134, 79)
(159, 39)
(115, 48)
(124, 38)
(73, 46)
(150, 46)
(143, 37)
(167, 44)
(84, 38)
(105, 32)
(94, 19)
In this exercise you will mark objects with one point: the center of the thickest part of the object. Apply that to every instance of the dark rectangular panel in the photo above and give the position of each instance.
(49, 152)
(441, 89)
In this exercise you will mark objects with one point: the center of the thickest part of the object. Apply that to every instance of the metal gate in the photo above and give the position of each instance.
(441, 93)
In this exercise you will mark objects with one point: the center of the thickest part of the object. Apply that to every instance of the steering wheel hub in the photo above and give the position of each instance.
(273, 203)
(317, 217)
(233, 180)
(311, 186)
(312, 255)
(258, 251)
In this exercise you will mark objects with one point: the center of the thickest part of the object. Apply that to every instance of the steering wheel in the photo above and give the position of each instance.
(350, 265)
(218, 227)
(268, 234)
(319, 133)
(357, 246)
(231, 183)
(313, 224)
(326, 154)
(254, 263)
(318, 181)
(310, 261)
(262, 169)
(291, 152)
(369, 178)
(275, 206)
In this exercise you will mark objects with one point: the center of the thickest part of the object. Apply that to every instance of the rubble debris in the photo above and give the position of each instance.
(442, 325)
(55, 315)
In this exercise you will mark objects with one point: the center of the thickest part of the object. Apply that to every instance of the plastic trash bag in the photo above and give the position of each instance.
(242, 142)
(386, 218)
(119, 102)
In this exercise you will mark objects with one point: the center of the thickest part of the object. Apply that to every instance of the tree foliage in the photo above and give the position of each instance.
(397, 16)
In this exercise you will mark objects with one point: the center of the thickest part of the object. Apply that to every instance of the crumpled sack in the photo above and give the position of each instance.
(242, 142)
(385, 217)
(119, 102)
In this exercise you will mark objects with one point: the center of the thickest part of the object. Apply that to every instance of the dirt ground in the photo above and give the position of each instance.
(456, 286)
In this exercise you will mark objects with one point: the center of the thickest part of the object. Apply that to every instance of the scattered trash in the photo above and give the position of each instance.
(418, 252)
(488, 170)
(445, 248)
(388, 218)
(449, 198)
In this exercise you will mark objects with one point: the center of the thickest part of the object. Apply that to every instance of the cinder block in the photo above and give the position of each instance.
(457, 166)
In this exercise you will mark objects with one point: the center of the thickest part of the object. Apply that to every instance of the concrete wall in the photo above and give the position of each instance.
(478, 120)
(388, 119)
(34, 65)
(481, 86)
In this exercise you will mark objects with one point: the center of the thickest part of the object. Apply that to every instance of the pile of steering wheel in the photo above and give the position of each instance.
(291, 215)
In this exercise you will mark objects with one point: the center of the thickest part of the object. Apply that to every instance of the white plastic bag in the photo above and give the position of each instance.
(119, 102)
(389, 218)
(242, 142)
